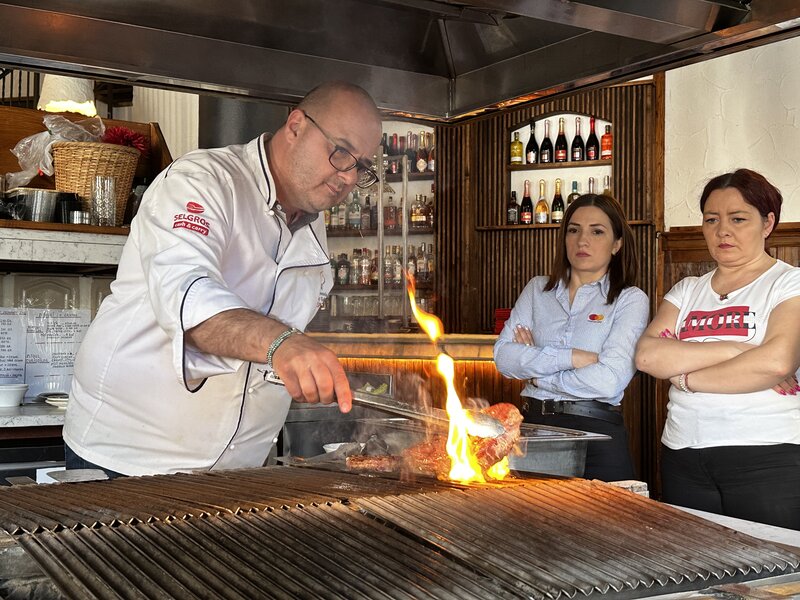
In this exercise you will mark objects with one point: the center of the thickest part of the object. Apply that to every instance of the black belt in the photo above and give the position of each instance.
(583, 408)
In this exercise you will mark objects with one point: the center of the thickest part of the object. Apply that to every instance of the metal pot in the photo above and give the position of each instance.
(31, 204)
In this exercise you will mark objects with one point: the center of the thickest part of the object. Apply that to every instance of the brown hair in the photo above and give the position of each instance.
(754, 188)
(624, 266)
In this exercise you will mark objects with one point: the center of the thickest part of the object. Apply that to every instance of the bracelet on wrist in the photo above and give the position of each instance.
(683, 383)
(276, 343)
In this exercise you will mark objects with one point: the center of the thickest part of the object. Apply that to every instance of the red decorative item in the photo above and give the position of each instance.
(123, 136)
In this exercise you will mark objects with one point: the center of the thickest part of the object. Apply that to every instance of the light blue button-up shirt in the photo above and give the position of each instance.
(610, 330)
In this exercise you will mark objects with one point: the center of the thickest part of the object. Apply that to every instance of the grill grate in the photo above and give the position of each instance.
(300, 533)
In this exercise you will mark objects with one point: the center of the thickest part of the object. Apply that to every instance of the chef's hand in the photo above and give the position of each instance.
(311, 372)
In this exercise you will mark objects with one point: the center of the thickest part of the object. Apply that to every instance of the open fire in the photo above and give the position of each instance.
(463, 453)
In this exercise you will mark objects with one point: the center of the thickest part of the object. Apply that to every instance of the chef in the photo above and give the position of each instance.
(225, 265)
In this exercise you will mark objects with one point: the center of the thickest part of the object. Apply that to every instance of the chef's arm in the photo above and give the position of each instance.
(775, 360)
(662, 355)
(310, 371)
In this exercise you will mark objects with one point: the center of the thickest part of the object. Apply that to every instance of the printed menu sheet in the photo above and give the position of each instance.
(38, 347)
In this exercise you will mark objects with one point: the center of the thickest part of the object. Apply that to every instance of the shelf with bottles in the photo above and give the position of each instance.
(395, 232)
(583, 164)
(419, 149)
(531, 143)
(371, 287)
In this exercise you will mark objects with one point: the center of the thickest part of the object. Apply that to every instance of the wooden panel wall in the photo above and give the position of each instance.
(484, 266)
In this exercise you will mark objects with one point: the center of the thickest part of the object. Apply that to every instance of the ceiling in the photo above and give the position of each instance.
(440, 59)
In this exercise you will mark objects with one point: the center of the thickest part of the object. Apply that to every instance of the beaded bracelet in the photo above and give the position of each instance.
(683, 382)
(276, 343)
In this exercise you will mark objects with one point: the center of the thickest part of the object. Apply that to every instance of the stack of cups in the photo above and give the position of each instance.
(104, 201)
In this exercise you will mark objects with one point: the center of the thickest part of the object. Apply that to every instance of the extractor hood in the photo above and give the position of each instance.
(437, 58)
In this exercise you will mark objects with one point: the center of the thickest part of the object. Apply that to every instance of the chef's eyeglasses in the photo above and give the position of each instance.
(342, 160)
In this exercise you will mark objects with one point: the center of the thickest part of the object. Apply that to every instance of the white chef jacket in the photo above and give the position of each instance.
(208, 237)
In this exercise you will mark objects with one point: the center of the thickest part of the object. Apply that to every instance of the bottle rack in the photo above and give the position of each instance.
(567, 171)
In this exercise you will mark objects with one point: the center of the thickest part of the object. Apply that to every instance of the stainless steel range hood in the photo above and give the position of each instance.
(439, 58)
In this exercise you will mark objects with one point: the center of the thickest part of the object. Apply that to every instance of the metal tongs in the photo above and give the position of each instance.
(480, 425)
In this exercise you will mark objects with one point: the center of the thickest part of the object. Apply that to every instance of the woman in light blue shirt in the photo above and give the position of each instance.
(573, 334)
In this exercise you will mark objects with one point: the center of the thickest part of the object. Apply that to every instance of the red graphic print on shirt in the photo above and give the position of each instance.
(194, 207)
(731, 321)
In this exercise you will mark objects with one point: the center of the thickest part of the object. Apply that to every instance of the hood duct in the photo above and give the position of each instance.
(437, 58)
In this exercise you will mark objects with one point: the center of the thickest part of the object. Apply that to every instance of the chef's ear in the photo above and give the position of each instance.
(294, 123)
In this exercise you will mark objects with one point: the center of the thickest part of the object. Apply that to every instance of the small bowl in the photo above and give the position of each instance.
(11, 394)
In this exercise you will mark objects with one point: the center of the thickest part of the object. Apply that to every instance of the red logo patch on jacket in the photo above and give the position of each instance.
(194, 207)
(191, 222)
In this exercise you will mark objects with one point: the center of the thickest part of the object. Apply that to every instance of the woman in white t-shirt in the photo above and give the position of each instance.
(731, 443)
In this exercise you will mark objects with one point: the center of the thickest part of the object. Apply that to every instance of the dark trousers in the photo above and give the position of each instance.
(73, 461)
(757, 483)
(605, 460)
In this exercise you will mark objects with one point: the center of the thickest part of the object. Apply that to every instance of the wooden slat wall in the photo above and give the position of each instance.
(483, 266)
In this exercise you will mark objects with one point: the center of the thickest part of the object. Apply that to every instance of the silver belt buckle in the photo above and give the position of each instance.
(549, 407)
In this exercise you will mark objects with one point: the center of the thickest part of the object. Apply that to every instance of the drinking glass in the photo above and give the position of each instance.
(104, 205)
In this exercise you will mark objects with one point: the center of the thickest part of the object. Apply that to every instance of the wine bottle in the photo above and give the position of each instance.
(546, 147)
(366, 214)
(574, 195)
(606, 143)
(512, 210)
(557, 211)
(526, 208)
(561, 142)
(411, 152)
(516, 150)
(542, 209)
(432, 153)
(592, 145)
(532, 149)
(578, 148)
(422, 153)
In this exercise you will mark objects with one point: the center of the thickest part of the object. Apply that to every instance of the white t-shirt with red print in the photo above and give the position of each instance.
(703, 420)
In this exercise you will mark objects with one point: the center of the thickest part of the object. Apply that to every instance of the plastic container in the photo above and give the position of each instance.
(11, 394)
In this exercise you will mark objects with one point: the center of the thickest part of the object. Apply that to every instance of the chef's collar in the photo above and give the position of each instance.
(268, 189)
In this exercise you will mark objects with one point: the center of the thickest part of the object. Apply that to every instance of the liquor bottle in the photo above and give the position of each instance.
(343, 270)
(516, 150)
(354, 212)
(327, 218)
(427, 213)
(591, 185)
(422, 265)
(592, 145)
(411, 261)
(606, 143)
(397, 265)
(417, 220)
(578, 148)
(385, 143)
(546, 147)
(532, 148)
(422, 153)
(390, 215)
(333, 266)
(342, 213)
(432, 154)
(355, 263)
(574, 195)
(526, 208)
(561, 142)
(557, 207)
(607, 185)
(334, 222)
(512, 210)
(542, 215)
(411, 152)
(374, 275)
(366, 214)
(373, 215)
(364, 266)
(431, 207)
(430, 259)
(387, 265)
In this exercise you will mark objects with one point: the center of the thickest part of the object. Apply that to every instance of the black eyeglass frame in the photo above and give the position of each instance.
(365, 173)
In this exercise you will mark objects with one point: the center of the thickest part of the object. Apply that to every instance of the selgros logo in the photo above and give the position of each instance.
(194, 207)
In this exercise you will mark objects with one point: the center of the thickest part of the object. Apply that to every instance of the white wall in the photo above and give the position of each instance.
(175, 112)
(741, 110)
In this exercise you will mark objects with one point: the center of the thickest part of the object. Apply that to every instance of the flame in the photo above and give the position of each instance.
(464, 466)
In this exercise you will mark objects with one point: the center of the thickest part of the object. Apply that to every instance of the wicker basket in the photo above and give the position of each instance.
(77, 163)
